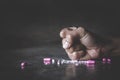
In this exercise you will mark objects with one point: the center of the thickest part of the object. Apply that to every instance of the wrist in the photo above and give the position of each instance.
(108, 49)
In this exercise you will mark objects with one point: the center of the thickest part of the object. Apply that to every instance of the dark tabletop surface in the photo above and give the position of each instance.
(34, 68)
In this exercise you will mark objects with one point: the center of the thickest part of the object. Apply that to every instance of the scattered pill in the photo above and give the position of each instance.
(23, 65)
(47, 61)
(104, 59)
(109, 60)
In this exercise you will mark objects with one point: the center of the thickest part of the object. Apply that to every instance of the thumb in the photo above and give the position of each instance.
(67, 42)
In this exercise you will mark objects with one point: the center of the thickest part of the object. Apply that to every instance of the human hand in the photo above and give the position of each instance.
(80, 44)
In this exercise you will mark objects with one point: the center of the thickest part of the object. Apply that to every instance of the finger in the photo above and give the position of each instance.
(82, 31)
(75, 55)
(63, 33)
(87, 38)
(67, 42)
(86, 57)
(67, 31)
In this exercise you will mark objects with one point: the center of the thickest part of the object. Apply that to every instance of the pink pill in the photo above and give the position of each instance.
(23, 65)
(104, 59)
(47, 61)
(109, 60)
(90, 62)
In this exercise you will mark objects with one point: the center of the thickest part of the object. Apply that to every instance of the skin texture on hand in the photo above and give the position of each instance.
(80, 44)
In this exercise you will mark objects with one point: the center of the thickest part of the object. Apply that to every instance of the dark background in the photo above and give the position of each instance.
(32, 23)
(29, 29)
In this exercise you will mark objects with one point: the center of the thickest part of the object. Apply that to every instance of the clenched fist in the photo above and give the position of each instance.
(80, 44)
